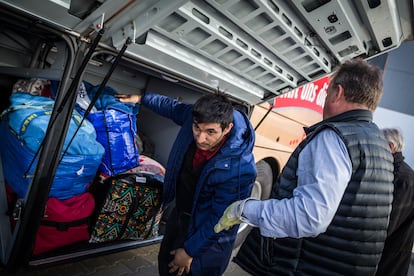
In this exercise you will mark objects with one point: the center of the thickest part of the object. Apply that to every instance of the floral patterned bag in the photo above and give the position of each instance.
(131, 209)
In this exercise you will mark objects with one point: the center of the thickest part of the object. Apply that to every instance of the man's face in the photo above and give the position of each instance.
(208, 136)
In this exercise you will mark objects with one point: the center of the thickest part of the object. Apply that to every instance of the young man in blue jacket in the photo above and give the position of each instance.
(210, 166)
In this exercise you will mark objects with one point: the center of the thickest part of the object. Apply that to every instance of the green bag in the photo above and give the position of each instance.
(131, 209)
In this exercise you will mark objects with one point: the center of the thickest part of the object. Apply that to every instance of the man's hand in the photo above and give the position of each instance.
(181, 261)
(231, 216)
(128, 98)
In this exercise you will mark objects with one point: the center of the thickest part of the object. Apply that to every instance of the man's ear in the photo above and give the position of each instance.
(339, 93)
(392, 146)
(227, 129)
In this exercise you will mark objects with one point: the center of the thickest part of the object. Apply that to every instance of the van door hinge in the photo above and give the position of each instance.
(128, 31)
(98, 23)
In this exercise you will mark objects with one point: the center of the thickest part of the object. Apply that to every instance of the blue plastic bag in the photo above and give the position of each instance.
(22, 128)
(115, 125)
(116, 131)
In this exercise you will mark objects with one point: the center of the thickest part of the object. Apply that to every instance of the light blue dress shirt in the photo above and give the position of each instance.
(324, 170)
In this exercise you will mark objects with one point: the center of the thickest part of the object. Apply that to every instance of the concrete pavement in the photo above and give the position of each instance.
(139, 261)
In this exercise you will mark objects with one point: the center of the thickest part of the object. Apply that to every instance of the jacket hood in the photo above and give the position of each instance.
(241, 138)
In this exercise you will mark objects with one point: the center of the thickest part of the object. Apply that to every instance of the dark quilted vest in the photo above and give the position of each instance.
(354, 240)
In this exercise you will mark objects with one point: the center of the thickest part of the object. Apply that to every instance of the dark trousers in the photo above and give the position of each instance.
(175, 234)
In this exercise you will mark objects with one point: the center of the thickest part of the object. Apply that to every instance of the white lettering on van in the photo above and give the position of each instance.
(309, 92)
(293, 94)
(322, 95)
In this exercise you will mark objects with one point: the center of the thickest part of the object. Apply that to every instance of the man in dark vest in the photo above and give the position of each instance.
(396, 256)
(329, 213)
(210, 166)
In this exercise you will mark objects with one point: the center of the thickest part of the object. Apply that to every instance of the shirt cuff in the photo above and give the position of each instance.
(251, 212)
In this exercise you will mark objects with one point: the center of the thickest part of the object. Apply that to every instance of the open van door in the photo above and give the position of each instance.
(254, 50)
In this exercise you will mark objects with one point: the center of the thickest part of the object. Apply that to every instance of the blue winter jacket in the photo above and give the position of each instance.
(227, 177)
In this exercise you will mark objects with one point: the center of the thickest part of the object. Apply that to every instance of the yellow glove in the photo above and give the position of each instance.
(231, 216)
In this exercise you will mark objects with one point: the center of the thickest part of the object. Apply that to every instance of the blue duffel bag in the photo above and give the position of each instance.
(116, 130)
(22, 128)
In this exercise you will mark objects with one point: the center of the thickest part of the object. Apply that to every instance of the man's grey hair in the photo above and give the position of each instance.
(394, 135)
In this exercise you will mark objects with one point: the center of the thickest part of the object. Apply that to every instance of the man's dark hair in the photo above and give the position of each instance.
(213, 108)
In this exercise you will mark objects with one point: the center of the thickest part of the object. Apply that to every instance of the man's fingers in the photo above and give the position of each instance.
(128, 98)
(121, 96)
(180, 271)
(224, 224)
(220, 226)
(217, 227)
(173, 268)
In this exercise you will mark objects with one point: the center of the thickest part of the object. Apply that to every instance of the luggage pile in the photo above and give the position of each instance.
(128, 194)
(80, 207)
